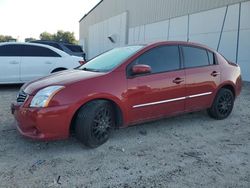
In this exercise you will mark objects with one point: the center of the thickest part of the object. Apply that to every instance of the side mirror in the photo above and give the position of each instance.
(141, 69)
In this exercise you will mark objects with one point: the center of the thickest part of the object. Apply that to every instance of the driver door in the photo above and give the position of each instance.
(161, 92)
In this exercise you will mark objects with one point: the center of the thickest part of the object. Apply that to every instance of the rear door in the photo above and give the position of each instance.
(9, 64)
(37, 62)
(160, 93)
(202, 77)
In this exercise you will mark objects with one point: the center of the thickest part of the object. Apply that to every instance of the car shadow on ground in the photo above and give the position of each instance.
(118, 136)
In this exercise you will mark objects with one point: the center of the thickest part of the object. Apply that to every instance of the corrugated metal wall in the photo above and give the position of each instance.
(148, 11)
(221, 24)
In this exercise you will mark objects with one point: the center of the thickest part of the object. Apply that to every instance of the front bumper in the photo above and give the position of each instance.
(50, 123)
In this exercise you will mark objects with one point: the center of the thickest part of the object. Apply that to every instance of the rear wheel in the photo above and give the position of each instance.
(93, 123)
(222, 105)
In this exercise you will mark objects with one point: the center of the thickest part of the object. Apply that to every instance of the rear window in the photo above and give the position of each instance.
(38, 51)
(74, 48)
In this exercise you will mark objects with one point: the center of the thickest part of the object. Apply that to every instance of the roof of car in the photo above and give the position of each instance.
(155, 44)
(179, 43)
(52, 41)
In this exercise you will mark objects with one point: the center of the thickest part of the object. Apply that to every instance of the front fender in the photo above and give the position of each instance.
(103, 96)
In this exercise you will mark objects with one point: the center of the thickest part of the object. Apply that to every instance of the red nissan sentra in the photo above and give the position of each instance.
(126, 86)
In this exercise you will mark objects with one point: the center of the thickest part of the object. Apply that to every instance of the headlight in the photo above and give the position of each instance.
(43, 97)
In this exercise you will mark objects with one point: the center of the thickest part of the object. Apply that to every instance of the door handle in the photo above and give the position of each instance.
(14, 62)
(178, 80)
(215, 73)
(48, 62)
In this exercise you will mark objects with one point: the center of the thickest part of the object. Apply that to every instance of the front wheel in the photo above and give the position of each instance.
(222, 105)
(93, 123)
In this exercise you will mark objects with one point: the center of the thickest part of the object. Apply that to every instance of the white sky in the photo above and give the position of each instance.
(28, 18)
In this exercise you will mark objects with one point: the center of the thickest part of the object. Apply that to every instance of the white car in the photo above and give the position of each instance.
(22, 62)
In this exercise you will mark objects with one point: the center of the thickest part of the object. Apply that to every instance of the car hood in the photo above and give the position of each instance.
(63, 78)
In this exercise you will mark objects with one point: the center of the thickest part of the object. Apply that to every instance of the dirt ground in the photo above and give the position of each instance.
(191, 150)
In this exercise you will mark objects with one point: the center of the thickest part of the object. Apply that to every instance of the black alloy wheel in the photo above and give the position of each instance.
(93, 123)
(102, 124)
(223, 104)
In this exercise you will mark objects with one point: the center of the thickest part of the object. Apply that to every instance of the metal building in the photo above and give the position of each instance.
(221, 24)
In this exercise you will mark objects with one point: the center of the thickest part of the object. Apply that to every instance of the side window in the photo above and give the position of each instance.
(160, 59)
(10, 50)
(211, 58)
(195, 57)
(26, 51)
(38, 51)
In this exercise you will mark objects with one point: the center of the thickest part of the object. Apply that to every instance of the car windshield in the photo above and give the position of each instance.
(110, 59)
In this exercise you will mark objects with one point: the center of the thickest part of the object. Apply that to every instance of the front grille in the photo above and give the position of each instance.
(21, 97)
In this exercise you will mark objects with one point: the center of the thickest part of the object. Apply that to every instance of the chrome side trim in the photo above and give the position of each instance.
(199, 95)
(159, 102)
(172, 100)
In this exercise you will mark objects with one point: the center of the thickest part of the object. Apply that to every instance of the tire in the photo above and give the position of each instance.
(93, 123)
(222, 105)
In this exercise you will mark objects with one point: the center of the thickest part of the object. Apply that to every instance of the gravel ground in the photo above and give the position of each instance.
(191, 150)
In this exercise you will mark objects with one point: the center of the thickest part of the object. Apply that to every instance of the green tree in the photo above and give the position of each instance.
(46, 36)
(60, 36)
(65, 37)
(4, 38)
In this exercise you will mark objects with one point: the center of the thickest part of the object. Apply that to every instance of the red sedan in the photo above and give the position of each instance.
(126, 86)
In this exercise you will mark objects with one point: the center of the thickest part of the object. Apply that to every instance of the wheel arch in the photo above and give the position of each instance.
(218, 111)
(119, 117)
(230, 86)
